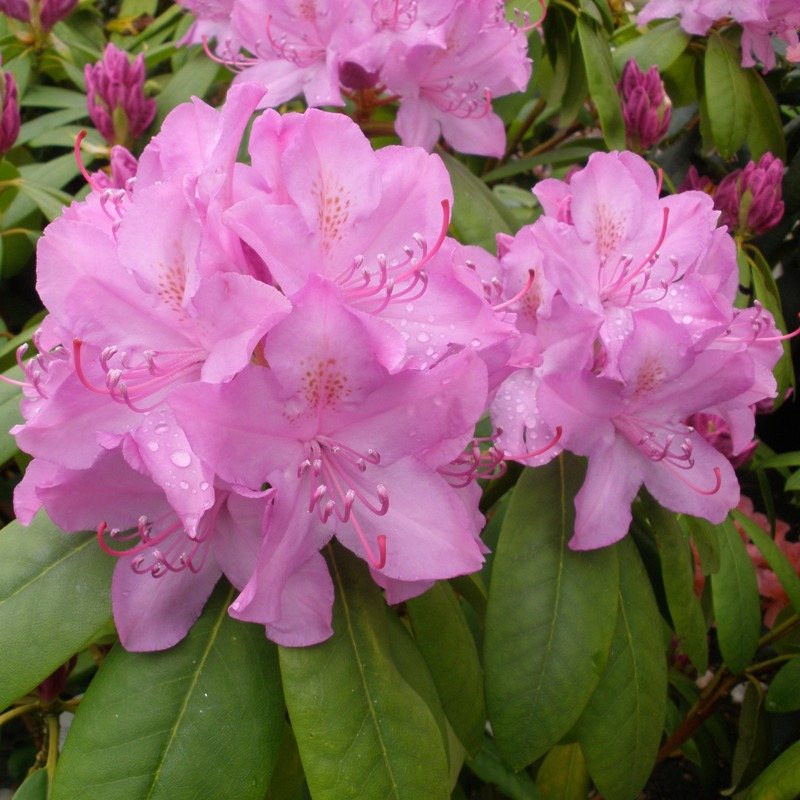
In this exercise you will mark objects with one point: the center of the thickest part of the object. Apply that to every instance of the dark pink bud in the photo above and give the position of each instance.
(646, 109)
(18, 9)
(749, 199)
(115, 96)
(354, 76)
(123, 169)
(696, 182)
(9, 121)
(54, 10)
(51, 687)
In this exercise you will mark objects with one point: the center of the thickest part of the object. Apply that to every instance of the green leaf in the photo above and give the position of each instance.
(194, 78)
(550, 618)
(752, 743)
(602, 83)
(620, 730)
(780, 780)
(288, 780)
(734, 591)
(563, 774)
(362, 731)
(47, 122)
(489, 767)
(40, 96)
(706, 540)
(54, 597)
(50, 201)
(660, 46)
(677, 571)
(777, 560)
(557, 32)
(569, 154)
(765, 131)
(784, 691)
(447, 645)
(478, 216)
(203, 719)
(34, 787)
(727, 95)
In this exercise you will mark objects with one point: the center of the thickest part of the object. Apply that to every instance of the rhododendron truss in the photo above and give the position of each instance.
(442, 61)
(631, 311)
(215, 400)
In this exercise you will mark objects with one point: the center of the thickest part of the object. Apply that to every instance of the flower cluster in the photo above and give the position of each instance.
(215, 399)
(628, 329)
(760, 21)
(115, 96)
(646, 108)
(442, 60)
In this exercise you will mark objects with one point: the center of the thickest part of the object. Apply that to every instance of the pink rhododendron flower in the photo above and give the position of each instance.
(442, 60)
(623, 301)
(178, 301)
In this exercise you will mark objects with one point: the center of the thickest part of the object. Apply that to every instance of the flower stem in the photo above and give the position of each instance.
(18, 712)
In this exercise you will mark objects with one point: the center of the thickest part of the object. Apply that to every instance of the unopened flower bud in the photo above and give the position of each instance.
(9, 120)
(354, 76)
(749, 199)
(646, 109)
(695, 182)
(17, 9)
(115, 96)
(122, 170)
(54, 10)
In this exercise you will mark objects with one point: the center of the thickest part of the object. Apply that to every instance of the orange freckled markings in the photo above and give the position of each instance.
(608, 229)
(324, 384)
(308, 10)
(532, 299)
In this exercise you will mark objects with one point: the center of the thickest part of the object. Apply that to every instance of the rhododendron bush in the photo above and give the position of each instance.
(398, 401)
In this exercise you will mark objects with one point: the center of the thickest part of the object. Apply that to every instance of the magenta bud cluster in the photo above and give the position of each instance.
(750, 198)
(9, 119)
(50, 11)
(646, 108)
(115, 96)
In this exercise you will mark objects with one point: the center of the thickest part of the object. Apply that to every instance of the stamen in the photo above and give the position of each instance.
(79, 161)
(536, 453)
(525, 289)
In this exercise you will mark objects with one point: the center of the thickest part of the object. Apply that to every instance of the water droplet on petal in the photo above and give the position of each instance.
(203, 486)
(152, 446)
(162, 427)
(184, 485)
(476, 342)
(687, 319)
(180, 458)
(410, 307)
(423, 337)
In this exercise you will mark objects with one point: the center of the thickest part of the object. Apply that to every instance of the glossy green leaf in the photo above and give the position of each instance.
(780, 780)
(726, 95)
(478, 216)
(569, 154)
(550, 618)
(677, 571)
(288, 780)
(620, 730)
(446, 643)
(194, 78)
(362, 731)
(765, 130)
(48, 122)
(660, 46)
(563, 774)
(734, 590)
(705, 539)
(602, 82)
(489, 767)
(752, 743)
(777, 560)
(203, 719)
(558, 44)
(34, 787)
(784, 691)
(54, 597)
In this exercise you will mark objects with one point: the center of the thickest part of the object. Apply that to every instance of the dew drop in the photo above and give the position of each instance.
(476, 342)
(203, 486)
(423, 337)
(410, 307)
(180, 458)
(162, 427)
(152, 446)
(687, 319)
(673, 292)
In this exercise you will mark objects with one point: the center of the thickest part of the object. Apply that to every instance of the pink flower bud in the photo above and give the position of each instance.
(9, 119)
(646, 109)
(695, 182)
(750, 198)
(17, 9)
(123, 169)
(115, 96)
(54, 10)
(717, 433)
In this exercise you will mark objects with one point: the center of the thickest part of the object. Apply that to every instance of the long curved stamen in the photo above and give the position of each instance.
(428, 254)
(79, 161)
(519, 295)
(541, 451)
(700, 489)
